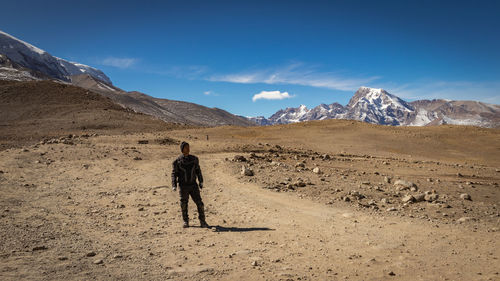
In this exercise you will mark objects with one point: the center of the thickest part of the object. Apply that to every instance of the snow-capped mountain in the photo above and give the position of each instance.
(377, 106)
(21, 61)
(38, 60)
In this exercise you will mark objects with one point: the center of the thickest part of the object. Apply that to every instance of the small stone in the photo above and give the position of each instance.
(465, 196)
(430, 197)
(239, 158)
(99, 261)
(403, 185)
(91, 254)
(391, 209)
(464, 219)
(300, 183)
(387, 179)
(39, 248)
(137, 158)
(408, 199)
(245, 171)
(255, 263)
(317, 170)
(419, 197)
(63, 258)
(392, 274)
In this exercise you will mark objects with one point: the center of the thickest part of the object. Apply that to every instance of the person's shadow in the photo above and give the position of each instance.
(219, 228)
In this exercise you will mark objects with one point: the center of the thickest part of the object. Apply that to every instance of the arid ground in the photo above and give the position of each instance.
(328, 200)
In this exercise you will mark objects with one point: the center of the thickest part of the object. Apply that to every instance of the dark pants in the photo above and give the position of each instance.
(194, 191)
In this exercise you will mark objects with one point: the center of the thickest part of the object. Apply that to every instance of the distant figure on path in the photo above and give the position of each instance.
(185, 170)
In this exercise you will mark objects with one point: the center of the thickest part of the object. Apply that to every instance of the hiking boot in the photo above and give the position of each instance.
(204, 224)
(185, 225)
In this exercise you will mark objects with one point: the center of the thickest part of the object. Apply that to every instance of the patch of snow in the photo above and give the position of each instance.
(421, 119)
(471, 122)
(31, 47)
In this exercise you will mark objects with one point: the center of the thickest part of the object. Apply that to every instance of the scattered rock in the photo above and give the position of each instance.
(464, 219)
(385, 201)
(408, 199)
(137, 158)
(143, 142)
(245, 171)
(391, 209)
(39, 248)
(430, 196)
(117, 256)
(465, 196)
(317, 170)
(300, 183)
(300, 164)
(99, 261)
(356, 194)
(403, 185)
(91, 254)
(387, 179)
(419, 197)
(239, 158)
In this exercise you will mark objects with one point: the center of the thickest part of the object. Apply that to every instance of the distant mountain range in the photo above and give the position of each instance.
(377, 106)
(22, 61)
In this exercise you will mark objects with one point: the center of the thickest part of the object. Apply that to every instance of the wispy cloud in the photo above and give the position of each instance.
(190, 72)
(271, 95)
(295, 74)
(119, 62)
(210, 93)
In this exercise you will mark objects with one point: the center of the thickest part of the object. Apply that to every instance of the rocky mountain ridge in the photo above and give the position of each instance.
(377, 106)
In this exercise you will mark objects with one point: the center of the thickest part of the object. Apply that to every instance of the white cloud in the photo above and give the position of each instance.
(119, 62)
(296, 74)
(210, 93)
(271, 95)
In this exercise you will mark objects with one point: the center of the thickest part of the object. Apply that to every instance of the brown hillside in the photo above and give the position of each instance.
(34, 110)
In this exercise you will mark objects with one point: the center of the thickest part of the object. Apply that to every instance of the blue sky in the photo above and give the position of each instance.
(224, 53)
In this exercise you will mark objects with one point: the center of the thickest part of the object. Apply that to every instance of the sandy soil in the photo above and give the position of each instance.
(102, 207)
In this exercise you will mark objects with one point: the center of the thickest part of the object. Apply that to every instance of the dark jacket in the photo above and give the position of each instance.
(185, 170)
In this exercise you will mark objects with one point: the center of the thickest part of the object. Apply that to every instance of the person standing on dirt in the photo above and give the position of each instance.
(185, 170)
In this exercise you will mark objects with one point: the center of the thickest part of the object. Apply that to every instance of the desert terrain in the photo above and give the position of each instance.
(320, 200)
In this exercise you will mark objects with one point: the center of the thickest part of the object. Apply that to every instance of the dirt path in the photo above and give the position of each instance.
(90, 216)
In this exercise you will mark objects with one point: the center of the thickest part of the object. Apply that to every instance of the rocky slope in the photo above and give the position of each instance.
(163, 109)
(36, 59)
(377, 106)
(31, 111)
(21, 61)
